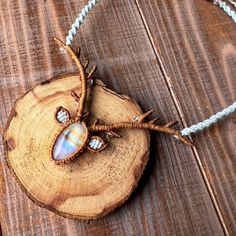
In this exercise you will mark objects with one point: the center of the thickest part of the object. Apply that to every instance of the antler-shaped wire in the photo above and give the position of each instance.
(139, 124)
(83, 77)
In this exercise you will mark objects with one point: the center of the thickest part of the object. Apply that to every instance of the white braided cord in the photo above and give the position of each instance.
(227, 111)
(194, 128)
(79, 20)
(227, 9)
(210, 121)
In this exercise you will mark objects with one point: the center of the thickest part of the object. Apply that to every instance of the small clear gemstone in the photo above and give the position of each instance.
(135, 118)
(62, 116)
(96, 144)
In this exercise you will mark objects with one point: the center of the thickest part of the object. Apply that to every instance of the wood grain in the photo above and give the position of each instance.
(172, 197)
(195, 44)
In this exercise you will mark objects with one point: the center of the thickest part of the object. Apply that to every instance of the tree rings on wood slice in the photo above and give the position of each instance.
(93, 184)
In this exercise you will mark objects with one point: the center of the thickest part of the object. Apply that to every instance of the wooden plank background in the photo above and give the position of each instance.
(176, 56)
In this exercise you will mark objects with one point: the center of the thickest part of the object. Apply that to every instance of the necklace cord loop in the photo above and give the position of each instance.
(194, 128)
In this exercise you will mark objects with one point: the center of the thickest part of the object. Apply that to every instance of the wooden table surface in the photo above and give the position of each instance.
(176, 56)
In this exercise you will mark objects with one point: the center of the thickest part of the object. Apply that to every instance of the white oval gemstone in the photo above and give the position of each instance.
(70, 141)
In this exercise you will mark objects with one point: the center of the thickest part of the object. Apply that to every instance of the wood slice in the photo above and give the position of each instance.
(93, 184)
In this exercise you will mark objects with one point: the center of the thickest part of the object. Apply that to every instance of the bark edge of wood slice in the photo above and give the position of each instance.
(92, 185)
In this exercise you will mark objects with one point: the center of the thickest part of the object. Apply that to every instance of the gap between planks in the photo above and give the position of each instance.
(181, 114)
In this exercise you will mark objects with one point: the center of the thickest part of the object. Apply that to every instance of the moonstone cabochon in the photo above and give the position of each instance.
(71, 140)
